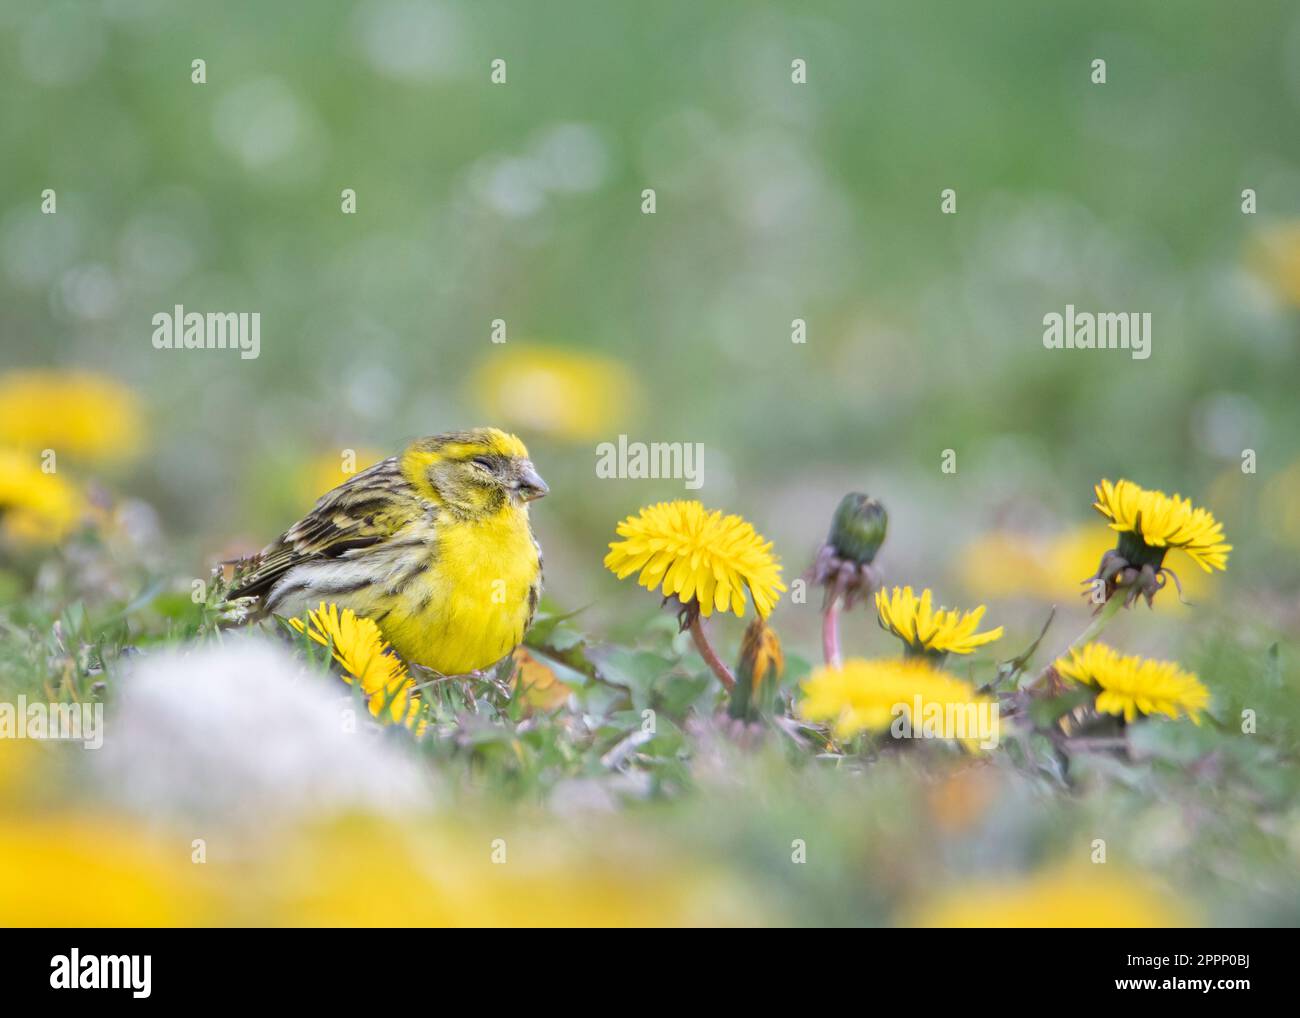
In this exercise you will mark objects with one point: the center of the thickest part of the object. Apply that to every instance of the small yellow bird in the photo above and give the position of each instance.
(434, 545)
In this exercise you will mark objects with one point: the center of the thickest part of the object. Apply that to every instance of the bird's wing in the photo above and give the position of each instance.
(365, 509)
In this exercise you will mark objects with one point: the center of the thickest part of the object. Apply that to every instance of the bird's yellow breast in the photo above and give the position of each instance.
(468, 609)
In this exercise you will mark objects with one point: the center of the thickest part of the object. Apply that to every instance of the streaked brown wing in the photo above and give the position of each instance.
(364, 510)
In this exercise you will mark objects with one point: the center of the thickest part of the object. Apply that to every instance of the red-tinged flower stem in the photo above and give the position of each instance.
(710, 657)
(831, 632)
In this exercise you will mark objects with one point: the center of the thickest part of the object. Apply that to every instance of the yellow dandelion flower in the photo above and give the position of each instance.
(359, 647)
(866, 696)
(1157, 522)
(1062, 898)
(562, 393)
(84, 415)
(35, 507)
(927, 630)
(698, 555)
(1131, 685)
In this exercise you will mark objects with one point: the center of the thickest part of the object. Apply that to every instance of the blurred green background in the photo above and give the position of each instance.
(775, 201)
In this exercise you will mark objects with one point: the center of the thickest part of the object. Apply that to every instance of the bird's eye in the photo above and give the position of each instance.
(484, 462)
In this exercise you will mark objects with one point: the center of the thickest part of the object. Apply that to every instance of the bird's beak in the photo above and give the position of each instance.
(531, 485)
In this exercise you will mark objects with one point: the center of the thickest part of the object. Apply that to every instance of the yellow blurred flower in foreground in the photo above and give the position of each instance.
(359, 647)
(364, 872)
(1063, 898)
(1131, 685)
(76, 870)
(96, 871)
(561, 393)
(866, 696)
(925, 629)
(698, 555)
(83, 415)
(35, 507)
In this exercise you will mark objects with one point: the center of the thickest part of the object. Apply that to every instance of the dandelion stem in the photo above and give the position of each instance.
(831, 632)
(710, 657)
(1108, 612)
(1099, 623)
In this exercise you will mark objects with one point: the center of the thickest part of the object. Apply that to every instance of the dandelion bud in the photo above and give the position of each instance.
(761, 663)
(1133, 567)
(844, 564)
(858, 528)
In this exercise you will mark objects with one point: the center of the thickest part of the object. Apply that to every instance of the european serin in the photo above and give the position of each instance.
(434, 545)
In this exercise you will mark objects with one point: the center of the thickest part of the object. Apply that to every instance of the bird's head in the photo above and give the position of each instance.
(474, 472)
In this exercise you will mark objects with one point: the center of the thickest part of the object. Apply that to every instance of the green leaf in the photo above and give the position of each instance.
(565, 673)
(636, 671)
(546, 622)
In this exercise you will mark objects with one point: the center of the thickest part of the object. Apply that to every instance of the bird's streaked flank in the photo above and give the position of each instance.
(434, 545)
